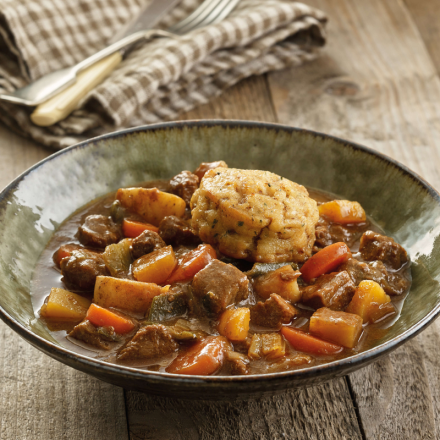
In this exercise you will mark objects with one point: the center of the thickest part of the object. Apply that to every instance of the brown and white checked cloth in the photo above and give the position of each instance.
(159, 79)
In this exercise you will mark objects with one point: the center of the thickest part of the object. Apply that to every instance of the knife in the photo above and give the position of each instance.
(62, 104)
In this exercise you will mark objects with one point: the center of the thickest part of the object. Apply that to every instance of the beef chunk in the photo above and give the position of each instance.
(176, 231)
(184, 185)
(379, 247)
(219, 285)
(236, 363)
(334, 290)
(99, 231)
(206, 166)
(64, 251)
(327, 233)
(273, 312)
(243, 346)
(392, 283)
(97, 337)
(145, 243)
(82, 267)
(152, 341)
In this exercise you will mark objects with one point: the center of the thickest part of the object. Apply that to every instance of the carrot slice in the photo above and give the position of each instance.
(192, 262)
(203, 358)
(325, 261)
(132, 229)
(102, 317)
(309, 344)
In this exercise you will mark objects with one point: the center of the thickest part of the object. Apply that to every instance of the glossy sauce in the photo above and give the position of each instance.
(47, 276)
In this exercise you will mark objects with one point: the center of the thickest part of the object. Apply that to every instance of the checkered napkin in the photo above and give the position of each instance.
(156, 81)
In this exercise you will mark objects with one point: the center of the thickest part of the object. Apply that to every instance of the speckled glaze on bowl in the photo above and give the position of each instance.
(33, 206)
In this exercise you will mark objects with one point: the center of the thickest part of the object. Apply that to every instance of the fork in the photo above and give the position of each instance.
(88, 73)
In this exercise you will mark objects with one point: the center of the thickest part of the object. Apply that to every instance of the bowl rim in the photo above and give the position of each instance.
(97, 366)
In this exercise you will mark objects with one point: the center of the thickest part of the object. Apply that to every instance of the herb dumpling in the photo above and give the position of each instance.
(254, 215)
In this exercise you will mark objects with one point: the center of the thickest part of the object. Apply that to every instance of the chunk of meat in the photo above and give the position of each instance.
(206, 166)
(375, 246)
(99, 231)
(334, 290)
(149, 342)
(392, 283)
(184, 185)
(176, 231)
(146, 243)
(64, 251)
(82, 267)
(236, 363)
(218, 285)
(327, 233)
(85, 331)
(254, 215)
(273, 312)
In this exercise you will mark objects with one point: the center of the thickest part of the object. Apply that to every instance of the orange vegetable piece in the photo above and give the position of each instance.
(132, 229)
(367, 300)
(325, 261)
(156, 266)
(302, 341)
(193, 262)
(234, 324)
(62, 305)
(281, 281)
(339, 327)
(343, 212)
(102, 317)
(203, 358)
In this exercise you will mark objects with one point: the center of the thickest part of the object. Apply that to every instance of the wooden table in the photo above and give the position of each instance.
(376, 83)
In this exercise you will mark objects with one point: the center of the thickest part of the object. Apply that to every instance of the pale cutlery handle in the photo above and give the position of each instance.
(62, 104)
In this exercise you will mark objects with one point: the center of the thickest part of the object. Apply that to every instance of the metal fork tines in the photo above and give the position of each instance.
(44, 88)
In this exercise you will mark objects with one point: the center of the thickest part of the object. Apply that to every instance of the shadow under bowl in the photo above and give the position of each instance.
(34, 205)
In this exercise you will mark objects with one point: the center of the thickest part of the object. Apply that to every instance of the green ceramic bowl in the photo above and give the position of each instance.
(33, 206)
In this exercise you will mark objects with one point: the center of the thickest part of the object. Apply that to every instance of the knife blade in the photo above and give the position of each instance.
(149, 15)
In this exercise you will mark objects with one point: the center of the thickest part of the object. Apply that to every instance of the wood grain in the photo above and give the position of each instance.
(324, 411)
(377, 85)
(41, 398)
(249, 99)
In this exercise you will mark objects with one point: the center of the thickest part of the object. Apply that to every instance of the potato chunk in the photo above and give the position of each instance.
(370, 302)
(65, 306)
(155, 267)
(339, 327)
(282, 281)
(150, 203)
(129, 295)
(234, 324)
(343, 212)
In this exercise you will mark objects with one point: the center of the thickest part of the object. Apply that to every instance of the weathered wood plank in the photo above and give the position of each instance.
(377, 85)
(314, 413)
(425, 14)
(41, 398)
(321, 412)
(249, 99)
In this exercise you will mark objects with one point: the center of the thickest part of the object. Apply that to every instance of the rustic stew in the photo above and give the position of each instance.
(220, 271)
